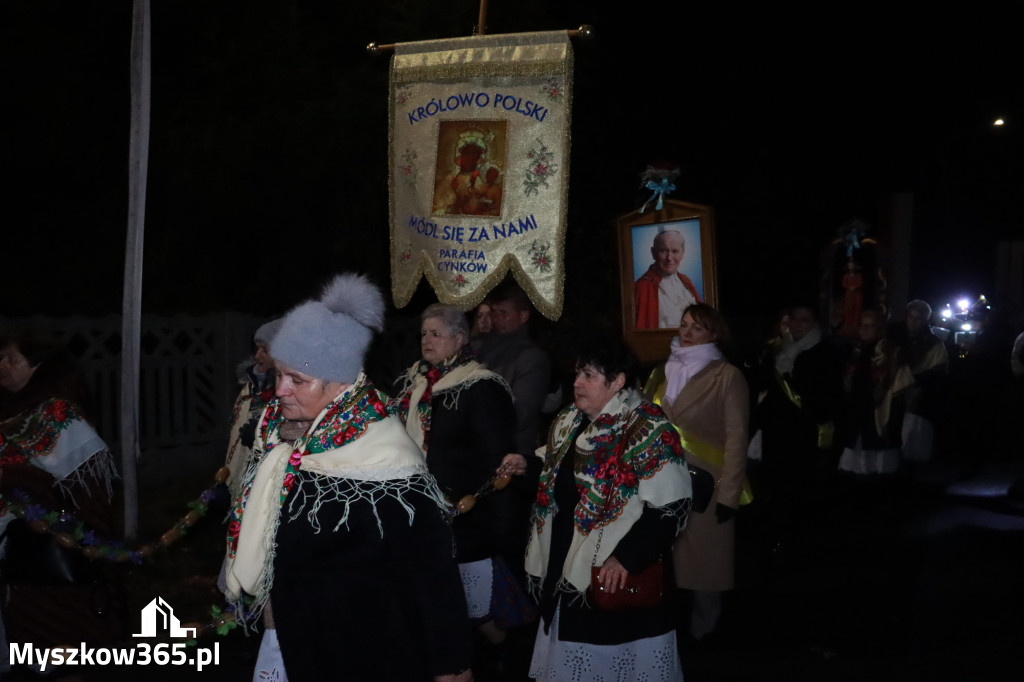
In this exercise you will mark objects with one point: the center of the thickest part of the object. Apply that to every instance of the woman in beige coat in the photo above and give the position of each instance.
(705, 398)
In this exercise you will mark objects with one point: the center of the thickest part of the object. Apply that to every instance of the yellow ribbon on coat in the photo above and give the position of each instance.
(793, 396)
(705, 451)
(713, 456)
(826, 430)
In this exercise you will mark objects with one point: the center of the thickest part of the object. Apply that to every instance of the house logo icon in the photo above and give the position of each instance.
(158, 617)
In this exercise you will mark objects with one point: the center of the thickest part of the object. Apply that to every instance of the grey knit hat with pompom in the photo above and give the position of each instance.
(327, 337)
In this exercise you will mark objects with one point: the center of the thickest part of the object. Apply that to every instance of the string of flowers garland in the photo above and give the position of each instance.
(70, 533)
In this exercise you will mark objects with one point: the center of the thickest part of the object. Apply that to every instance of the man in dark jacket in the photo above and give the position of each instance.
(510, 352)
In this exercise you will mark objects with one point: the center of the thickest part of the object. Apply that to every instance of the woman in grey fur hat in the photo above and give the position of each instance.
(340, 530)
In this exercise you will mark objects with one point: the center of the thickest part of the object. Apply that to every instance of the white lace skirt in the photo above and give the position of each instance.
(269, 664)
(477, 579)
(918, 438)
(857, 460)
(654, 659)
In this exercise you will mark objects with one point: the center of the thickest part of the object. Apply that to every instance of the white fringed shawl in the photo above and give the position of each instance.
(449, 387)
(382, 453)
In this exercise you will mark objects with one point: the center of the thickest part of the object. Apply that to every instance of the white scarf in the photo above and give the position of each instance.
(684, 362)
(790, 349)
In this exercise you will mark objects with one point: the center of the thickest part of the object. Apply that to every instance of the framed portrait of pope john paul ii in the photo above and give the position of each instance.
(666, 263)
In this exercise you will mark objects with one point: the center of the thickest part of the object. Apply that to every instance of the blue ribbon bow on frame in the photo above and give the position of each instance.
(659, 190)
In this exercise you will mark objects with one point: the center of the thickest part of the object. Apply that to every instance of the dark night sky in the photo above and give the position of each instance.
(269, 140)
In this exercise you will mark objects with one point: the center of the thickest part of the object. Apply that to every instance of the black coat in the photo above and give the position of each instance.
(377, 599)
(468, 439)
(790, 434)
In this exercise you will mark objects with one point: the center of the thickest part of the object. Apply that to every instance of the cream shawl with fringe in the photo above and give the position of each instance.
(448, 388)
(383, 453)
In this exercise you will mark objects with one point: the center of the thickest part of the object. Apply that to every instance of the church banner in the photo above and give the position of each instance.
(479, 149)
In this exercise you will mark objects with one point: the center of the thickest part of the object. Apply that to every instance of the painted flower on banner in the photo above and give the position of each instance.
(553, 89)
(402, 95)
(542, 167)
(540, 257)
(460, 281)
(405, 255)
(407, 169)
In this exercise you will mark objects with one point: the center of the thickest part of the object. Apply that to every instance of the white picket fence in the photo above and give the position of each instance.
(188, 378)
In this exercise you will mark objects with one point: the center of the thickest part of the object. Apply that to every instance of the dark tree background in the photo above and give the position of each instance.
(268, 159)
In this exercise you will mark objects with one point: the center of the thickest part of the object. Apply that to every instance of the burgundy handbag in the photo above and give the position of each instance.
(642, 590)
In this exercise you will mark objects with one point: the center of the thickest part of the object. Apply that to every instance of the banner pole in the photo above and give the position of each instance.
(584, 31)
(481, 22)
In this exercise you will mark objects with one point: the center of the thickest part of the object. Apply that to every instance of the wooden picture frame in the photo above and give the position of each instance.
(694, 224)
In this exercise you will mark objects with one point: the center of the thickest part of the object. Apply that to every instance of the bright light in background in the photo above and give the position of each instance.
(994, 482)
(966, 326)
(946, 313)
(998, 122)
(963, 304)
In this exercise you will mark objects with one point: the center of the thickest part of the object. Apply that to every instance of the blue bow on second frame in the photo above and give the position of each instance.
(658, 191)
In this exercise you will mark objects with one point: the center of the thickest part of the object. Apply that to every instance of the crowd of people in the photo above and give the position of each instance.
(470, 516)
(839, 419)
(439, 510)
(544, 527)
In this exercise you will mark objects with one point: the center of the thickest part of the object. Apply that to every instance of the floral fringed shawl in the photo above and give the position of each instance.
(630, 456)
(352, 438)
(56, 438)
(245, 418)
(421, 383)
